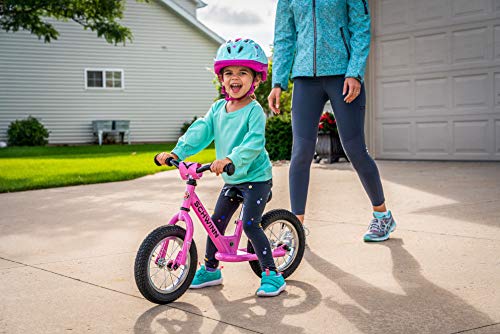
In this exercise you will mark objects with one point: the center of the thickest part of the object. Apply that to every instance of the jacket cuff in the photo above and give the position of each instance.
(235, 159)
(280, 85)
(179, 154)
(352, 72)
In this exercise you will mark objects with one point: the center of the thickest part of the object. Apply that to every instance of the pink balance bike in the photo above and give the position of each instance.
(166, 261)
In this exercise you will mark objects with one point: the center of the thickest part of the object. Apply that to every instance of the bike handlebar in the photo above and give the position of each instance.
(228, 169)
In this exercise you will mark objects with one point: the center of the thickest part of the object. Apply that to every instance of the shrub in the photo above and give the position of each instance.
(28, 132)
(186, 125)
(279, 137)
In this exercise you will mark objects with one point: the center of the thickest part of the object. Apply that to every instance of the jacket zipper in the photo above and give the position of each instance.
(345, 43)
(366, 6)
(314, 50)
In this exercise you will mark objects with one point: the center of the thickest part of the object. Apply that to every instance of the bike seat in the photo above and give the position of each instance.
(234, 194)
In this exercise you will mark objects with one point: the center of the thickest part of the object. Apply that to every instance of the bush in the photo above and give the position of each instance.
(279, 137)
(28, 132)
(186, 125)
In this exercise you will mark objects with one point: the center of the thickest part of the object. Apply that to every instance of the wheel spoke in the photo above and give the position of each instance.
(155, 272)
(173, 280)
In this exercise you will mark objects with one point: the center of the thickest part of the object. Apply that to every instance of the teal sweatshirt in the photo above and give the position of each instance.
(238, 135)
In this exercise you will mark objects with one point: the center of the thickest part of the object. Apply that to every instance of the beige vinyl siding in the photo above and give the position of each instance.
(166, 77)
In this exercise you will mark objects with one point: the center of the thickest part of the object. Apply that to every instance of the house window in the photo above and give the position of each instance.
(104, 78)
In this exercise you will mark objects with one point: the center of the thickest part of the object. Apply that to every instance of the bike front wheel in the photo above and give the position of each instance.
(282, 228)
(155, 276)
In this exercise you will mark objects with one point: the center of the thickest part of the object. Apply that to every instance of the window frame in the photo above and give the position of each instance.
(104, 71)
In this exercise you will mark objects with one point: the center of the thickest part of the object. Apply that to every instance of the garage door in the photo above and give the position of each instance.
(436, 79)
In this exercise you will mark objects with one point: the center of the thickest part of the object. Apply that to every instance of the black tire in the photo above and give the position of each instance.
(142, 262)
(267, 220)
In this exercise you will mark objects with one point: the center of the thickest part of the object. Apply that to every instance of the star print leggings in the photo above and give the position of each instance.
(309, 98)
(255, 195)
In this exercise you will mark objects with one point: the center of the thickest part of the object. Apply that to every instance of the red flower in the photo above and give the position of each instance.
(327, 123)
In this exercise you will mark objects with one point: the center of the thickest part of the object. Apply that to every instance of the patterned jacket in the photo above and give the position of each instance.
(320, 38)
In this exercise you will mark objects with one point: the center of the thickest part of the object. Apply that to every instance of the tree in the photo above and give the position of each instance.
(100, 16)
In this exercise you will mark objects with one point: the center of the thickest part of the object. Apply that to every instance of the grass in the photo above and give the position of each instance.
(27, 168)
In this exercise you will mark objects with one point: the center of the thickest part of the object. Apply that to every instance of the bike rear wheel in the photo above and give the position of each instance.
(282, 227)
(156, 280)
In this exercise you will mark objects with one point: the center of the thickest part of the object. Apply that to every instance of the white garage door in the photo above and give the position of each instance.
(437, 79)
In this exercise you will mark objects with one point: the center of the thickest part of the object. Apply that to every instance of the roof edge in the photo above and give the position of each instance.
(199, 3)
(191, 19)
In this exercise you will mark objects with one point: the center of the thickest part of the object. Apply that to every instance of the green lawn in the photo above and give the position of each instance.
(25, 168)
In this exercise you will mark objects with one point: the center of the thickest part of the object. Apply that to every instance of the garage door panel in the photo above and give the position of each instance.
(395, 54)
(395, 14)
(432, 95)
(497, 90)
(396, 138)
(431, 49)
(395, 99)
(430, 10)
(470, 45)
(497, 42)
(432, 137)
(471, 92)
(470, 137)
(468, 7)
(497, 137)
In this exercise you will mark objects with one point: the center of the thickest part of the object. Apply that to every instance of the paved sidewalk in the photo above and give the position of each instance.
(66, 258)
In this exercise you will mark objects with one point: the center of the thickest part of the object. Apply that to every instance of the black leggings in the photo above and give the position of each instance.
(255, 195)
(309, 97)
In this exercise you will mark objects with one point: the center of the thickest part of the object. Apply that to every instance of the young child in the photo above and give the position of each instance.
(237, 126)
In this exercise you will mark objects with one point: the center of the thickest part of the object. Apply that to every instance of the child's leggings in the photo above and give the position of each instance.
(309, 97)
(255, 196)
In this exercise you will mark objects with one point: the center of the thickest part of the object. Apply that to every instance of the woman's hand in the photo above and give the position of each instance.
(353, 86)
(274, 100)
(217, 166)
(163, 156)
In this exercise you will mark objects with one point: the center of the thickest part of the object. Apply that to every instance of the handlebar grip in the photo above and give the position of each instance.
(157, 163)
(169, 161)
(229, 169)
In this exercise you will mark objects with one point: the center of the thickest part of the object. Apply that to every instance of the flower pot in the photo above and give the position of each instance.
(329, 147)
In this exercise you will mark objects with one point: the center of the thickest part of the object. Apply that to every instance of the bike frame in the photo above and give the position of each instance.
(227, 246)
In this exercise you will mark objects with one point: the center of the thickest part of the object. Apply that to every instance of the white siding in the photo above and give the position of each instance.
(165, 70)
(437, 70)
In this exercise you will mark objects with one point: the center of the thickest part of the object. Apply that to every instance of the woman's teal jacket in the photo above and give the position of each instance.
(320, 38)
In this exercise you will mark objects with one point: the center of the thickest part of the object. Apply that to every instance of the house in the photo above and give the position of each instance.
(159, 81)
(434, 80)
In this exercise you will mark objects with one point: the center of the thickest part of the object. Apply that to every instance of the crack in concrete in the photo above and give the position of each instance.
(125, 293)
(473, 329)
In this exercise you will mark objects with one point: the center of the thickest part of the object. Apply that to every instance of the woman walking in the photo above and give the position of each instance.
(324, 45)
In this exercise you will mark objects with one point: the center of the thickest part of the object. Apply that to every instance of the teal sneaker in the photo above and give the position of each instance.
(380, 228)
(271, 284)
(204, 278)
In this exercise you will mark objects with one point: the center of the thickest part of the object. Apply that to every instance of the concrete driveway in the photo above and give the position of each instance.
(67, 254)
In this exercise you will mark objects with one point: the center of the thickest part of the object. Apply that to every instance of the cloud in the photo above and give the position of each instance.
(242, 18)
(232, 16)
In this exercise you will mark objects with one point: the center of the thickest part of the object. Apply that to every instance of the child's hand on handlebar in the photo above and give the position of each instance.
(217, 166)
(163, 156)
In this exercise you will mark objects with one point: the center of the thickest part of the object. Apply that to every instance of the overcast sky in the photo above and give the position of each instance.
(241, 18)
